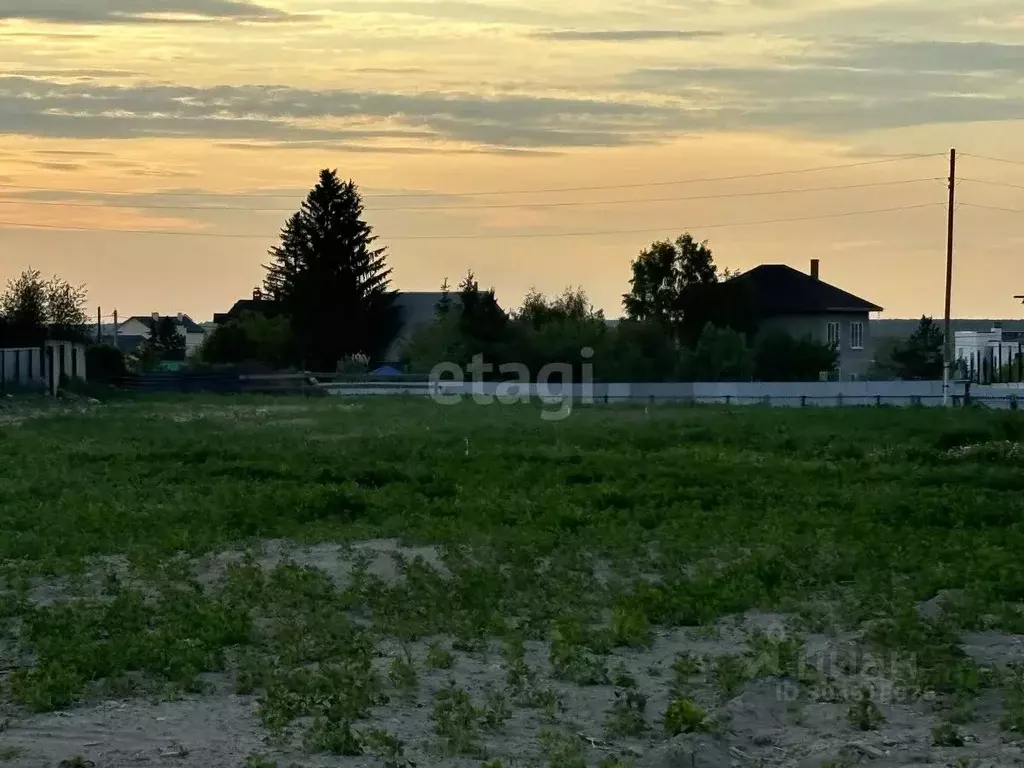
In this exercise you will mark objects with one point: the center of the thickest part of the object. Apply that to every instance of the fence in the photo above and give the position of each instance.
(41, 367)
(22, 366)
(1001, 364)
(776, 394)
(785, 394)
(229, 383)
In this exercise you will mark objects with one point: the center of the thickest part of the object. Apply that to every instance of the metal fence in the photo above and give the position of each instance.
(230, 383)
(774, 394)
(999, 364)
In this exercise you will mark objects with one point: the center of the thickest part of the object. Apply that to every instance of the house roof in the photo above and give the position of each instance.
(190, 325)
(244, 305)
(128, 343)
(418, 307)
(777, 289)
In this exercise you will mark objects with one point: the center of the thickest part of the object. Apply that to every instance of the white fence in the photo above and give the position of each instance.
(786, 394)
(29, 366)
(22, 366)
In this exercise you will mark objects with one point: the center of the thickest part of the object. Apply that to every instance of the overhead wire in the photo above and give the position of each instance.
(485, 236)
(1004, 160)
(483, 193)
(993, 208)
(990, 183)
(489, 206)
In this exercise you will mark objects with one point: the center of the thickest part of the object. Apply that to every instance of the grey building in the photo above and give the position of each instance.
(415, 308)
(801, 304)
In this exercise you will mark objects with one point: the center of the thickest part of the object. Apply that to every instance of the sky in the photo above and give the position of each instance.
(152, 149)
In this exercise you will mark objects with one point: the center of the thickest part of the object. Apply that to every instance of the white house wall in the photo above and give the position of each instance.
(137, 328)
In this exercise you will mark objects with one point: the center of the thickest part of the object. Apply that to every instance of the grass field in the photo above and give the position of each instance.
(250, 582)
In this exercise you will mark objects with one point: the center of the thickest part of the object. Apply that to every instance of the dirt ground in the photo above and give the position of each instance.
(769, 721)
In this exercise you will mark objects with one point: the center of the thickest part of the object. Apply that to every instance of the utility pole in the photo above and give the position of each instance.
(115, 327)
(947, 347)
(99, 325)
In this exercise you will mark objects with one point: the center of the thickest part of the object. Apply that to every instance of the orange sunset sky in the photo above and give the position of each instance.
(206, 121)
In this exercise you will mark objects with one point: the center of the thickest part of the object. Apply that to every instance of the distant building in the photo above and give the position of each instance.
(416, 309)
(801, 304)
(989, 349)
(130, 333)
(900, 329)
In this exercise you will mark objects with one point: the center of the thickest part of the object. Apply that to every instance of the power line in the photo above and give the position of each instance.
(994, 208)
(515, 235)
(994, 183)
(484, 193)
(561, 204)
(994, 159)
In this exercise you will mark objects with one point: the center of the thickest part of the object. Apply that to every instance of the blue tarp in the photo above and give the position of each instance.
(386, 370)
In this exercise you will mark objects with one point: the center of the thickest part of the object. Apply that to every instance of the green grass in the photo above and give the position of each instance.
(690, 514)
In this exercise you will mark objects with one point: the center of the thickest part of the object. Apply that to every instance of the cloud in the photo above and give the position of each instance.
(51, 166)
(857, 85)
(135, 11)
(71, 153)
(41, 107)
(346, 146)
(929, 57)
(68, 73)
(456, 10)
(625, 35)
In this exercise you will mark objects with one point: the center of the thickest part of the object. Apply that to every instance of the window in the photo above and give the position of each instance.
(856, 335)
(833, 334)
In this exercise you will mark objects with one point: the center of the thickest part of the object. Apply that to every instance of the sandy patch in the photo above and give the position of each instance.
(768, 721)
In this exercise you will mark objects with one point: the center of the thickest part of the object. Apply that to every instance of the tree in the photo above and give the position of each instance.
(444, 304)
(33, 308)
(163, 343)
(65, 306)
(557, 331)
(252, 337)
(780, 357)
(677, 285)
(662, 276)
(721, 354)
(330, 280)
(437, 342)
(921, 356)
(105, 364)
(24, 301)
(636, 350)
(483, 324)
(883, 367)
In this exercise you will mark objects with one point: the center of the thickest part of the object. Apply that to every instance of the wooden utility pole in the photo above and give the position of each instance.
(947, 347)
(99, 325)
(115, 327)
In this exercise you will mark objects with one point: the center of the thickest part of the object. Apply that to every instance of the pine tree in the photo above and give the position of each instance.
(330, 280)
(444, 304)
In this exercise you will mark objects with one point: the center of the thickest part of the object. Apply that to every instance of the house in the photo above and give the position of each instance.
(133, 331)
(801, 304)
(416, 309)
(989, 350)
(259, 304)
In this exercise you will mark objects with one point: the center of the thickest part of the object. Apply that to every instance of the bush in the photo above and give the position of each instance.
(105, 364)
(780, 357)
(721, 354)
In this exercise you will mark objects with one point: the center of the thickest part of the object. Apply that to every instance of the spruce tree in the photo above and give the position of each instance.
(330, 280)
